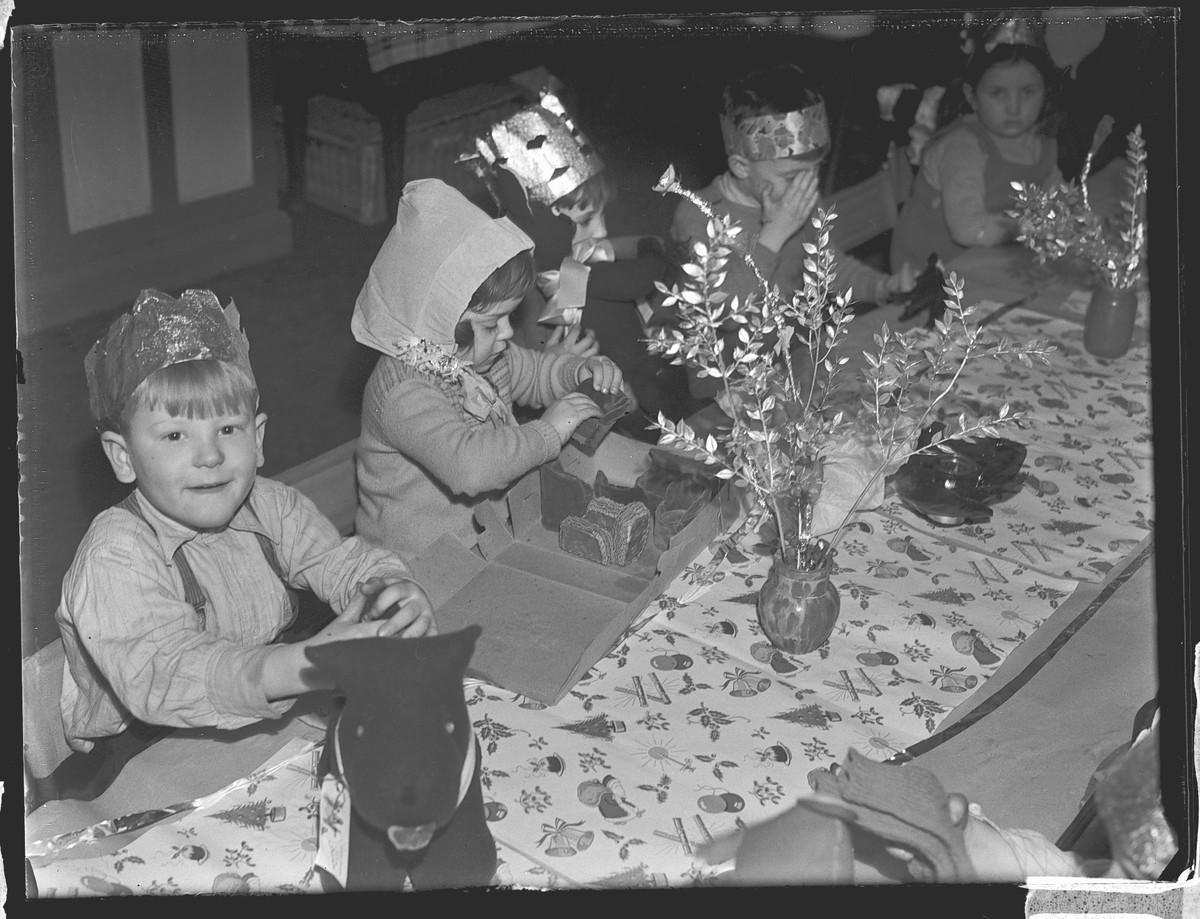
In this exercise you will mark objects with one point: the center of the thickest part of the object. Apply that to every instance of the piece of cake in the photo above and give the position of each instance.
(633, 532)
(627, 524)
(586, 538)
(604, 511)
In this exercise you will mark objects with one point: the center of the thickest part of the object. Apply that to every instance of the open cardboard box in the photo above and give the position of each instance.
(549, 616)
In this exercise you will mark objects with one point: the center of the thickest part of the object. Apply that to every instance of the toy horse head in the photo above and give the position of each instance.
(402, 743)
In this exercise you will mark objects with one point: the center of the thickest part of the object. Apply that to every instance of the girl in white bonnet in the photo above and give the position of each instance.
(438, 432)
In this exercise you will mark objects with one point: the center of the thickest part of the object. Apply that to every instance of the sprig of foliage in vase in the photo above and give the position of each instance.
(781, 375)
(1059, 221)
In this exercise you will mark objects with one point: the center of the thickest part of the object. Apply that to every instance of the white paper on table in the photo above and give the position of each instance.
(333, 850)
(137, 822)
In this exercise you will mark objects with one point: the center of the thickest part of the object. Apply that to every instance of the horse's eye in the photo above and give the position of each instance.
(449, 727)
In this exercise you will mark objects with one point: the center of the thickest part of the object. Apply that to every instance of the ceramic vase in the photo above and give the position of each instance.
(798, 607)
(1108, 325)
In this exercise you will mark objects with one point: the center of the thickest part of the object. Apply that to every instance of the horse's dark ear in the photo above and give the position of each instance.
(362, 663)
(464, 645)
(392, 664)
(333, 658)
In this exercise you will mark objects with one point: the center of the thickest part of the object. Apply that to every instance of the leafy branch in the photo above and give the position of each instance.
(1059, 221)
(780, 365)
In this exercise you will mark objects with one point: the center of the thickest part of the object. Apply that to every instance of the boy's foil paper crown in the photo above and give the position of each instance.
(772, 137)
(157, 332)
(543, 148)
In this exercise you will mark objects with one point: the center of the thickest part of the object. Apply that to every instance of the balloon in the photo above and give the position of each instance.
(1070, 39)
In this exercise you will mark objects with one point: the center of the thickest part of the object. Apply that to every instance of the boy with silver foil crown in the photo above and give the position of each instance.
(549, 180)
(170, 608)
(776, 136)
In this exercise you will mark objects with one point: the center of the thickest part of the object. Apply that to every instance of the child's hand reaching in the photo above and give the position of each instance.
(568, 413)
(606, 376)
(573, 339)
(287, 672)
(401, 605)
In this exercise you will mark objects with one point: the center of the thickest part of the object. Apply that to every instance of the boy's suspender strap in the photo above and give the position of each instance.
(192, 591)
(268, 550)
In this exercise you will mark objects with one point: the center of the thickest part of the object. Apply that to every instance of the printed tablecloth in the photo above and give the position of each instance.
(694, 725)
(1087, 499)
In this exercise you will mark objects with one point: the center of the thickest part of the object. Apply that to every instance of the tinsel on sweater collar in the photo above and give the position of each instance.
(480, 398)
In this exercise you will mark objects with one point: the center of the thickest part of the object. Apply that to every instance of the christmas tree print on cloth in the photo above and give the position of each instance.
(252, 814)
(599, 726)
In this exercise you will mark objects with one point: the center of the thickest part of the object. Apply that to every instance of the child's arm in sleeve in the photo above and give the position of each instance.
(359, 581)
(537, 378)
(864, 282)
(690, 226)
(287, 670)
(960, 164)
(314, 556)
(469, 459)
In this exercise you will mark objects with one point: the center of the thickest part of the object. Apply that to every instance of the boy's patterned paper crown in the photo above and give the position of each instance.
(160, 331)
(543, 148)
(771, 137)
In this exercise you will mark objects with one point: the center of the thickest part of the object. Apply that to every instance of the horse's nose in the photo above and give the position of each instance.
(408, 838)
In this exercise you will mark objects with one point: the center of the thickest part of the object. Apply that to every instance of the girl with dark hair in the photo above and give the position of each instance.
(963, 187)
